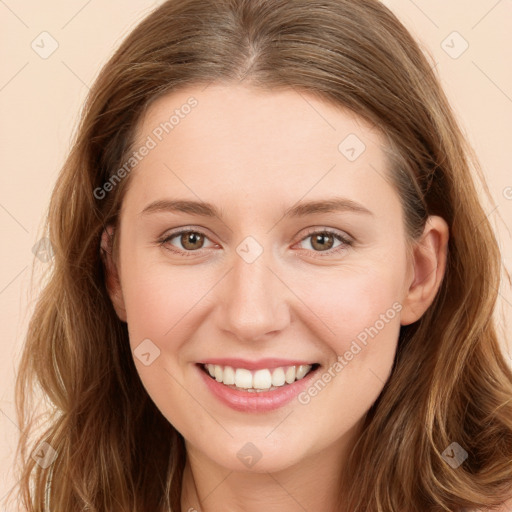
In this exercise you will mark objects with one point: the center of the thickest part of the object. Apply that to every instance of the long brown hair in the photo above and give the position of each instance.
(449, 382)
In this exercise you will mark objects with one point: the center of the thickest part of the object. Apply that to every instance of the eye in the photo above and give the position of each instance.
(189, 241)
(324, 240)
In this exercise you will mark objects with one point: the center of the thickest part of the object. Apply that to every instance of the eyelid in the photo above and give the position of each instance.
(333, 231)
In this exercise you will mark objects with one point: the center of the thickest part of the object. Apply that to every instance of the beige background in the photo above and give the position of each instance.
(40, 99)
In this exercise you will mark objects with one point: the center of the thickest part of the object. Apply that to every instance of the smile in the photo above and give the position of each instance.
(260, 380)
(260, 390)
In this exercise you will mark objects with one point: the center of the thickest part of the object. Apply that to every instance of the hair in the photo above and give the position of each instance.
(450, 381)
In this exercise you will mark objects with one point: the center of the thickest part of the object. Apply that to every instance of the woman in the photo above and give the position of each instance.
(273, 280)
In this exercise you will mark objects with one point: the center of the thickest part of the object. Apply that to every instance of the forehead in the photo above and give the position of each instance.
(223, 139)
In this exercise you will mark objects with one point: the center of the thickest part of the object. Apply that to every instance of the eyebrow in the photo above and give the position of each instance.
(205, 209)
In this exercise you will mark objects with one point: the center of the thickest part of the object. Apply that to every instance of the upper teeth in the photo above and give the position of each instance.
(259, 379)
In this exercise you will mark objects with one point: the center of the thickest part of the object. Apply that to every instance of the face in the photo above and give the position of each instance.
(299, 259)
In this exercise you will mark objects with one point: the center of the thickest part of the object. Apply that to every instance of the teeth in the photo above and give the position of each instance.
(264, 379)
(301, 371)
(278, 378)
(243, 378)
(290, 374)
(228, 375)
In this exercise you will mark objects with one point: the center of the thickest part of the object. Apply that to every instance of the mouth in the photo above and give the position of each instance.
(257, 381)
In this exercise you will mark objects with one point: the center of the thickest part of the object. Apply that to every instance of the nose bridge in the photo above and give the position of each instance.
(253, 300)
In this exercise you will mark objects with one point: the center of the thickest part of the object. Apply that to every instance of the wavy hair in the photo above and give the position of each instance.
(450, 381)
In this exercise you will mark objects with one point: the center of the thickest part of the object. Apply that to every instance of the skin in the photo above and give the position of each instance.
(254, 154)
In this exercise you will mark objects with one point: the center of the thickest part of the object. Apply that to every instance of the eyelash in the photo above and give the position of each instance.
(346, 242)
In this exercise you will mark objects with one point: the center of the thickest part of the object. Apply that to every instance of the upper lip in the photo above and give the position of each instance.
(255, 365)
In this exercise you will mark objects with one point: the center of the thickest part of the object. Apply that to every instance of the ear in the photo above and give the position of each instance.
(112, 280)
(429, 257)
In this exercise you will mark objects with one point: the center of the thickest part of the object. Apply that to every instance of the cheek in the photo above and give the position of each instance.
(162, 304)
(363, 312)
(355, 305)
(159, 298)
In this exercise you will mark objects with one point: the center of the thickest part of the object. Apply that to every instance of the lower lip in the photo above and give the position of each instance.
(262, 401)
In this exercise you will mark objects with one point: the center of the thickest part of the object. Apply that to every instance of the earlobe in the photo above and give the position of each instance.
(429, 261)
(112, 280)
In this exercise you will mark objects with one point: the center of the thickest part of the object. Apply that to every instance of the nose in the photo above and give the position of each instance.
(253, 302)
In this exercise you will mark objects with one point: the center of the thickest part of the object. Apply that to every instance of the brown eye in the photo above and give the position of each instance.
(192, 240)
(186, 242)
(322, 241)
(326, 241)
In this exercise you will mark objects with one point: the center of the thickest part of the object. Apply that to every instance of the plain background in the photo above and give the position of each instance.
(40, 101)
